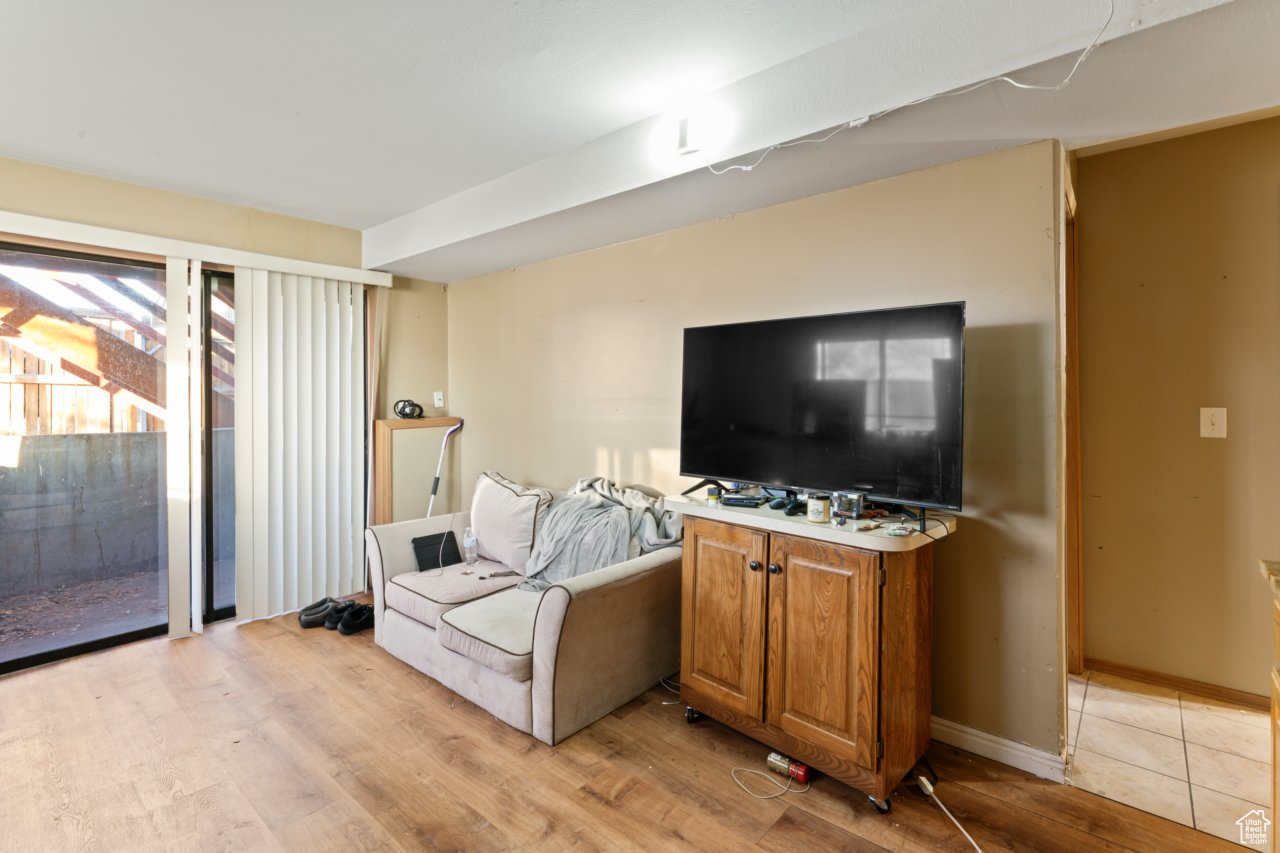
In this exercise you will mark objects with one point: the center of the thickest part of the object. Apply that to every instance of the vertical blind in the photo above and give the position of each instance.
(299, 455)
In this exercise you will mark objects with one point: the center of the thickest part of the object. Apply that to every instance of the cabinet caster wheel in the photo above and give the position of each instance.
(882, 806)
(691, 716)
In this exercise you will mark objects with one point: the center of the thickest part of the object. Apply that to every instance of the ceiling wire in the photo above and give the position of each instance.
(859, 122)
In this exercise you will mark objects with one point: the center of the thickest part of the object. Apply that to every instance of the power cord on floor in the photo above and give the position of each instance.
(771, 779)
(673, 689)
(928, 789)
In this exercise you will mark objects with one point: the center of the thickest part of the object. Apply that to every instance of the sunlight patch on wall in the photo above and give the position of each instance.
(10, 451)
(655, 467)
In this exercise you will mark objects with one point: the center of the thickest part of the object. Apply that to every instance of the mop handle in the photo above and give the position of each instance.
(435, 484)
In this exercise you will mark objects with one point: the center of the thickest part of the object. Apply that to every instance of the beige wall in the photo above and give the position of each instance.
(57, 194)
(571, 367)
(1179, 309)
(415, 356)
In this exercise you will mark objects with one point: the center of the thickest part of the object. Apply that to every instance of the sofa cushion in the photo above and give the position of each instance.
(506, 517)
(495, 632)
(423, 596)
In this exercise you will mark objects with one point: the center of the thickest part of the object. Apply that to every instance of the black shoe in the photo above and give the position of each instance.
(356, 619)
(318, 605)
(315, 618)
(321, 607)
(334, 617)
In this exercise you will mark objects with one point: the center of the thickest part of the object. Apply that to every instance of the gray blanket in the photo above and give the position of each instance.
(597, 524)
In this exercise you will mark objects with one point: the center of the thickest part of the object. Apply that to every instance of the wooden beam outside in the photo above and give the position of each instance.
(95, 353)
(148, 332)
(41, 379)
(132, 295)
(122, 395)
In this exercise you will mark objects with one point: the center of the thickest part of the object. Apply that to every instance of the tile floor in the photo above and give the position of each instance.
(1198, 761)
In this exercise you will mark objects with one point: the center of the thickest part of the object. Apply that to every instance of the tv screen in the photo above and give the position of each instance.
(870, 402)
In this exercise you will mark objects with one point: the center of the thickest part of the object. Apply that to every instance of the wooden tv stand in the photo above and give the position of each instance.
(812, 639)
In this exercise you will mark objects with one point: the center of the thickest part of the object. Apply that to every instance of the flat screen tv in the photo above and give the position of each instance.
(871, 401)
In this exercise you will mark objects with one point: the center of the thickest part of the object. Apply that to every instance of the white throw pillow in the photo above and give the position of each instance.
(506, 517)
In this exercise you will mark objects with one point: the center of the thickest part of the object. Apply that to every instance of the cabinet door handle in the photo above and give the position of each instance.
(774, 568)
(754, 565)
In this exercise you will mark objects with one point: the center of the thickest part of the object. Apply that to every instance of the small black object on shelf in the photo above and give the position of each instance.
(733, 499)
(408, 409)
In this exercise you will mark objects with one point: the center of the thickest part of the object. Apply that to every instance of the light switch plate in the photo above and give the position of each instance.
(437, 399)
(1213, 423)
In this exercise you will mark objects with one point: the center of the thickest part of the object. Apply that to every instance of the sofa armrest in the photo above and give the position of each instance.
(601, 639)
(584, 584)
(390, 549)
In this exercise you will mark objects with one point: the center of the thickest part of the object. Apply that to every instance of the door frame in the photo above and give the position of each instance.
(1073, 510)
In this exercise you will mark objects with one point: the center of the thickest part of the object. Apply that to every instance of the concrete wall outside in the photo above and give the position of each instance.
(81, 507)
(91, 507)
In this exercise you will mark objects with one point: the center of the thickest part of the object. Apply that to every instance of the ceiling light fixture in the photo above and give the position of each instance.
(685, 143)
(700, 128)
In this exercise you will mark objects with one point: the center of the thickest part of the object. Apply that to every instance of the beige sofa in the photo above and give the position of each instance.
(548, 663)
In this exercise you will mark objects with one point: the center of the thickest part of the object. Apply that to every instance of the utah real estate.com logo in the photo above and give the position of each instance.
(1253, 828)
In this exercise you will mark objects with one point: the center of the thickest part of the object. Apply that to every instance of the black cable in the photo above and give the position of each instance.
(911, 523)
(939, 522)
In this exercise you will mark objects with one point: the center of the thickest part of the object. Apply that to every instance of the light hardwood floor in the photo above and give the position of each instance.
(267, 737)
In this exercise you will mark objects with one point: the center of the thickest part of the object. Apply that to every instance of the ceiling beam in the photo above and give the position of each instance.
(935, 48)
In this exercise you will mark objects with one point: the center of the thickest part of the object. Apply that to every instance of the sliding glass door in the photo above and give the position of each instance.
(83, 515)
(219, 439)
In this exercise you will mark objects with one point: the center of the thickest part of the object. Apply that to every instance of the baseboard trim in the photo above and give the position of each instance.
(1037, 762)
(1183, 685)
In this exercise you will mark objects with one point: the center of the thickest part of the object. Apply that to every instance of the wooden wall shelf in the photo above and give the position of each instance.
(382, 430)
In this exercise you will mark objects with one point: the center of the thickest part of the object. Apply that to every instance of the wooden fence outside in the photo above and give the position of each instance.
(38, 397)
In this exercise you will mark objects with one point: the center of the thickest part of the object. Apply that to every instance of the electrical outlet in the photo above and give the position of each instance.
(1213, 423)
(437, 399)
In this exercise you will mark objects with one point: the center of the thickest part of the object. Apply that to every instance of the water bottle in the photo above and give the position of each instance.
(469, 546)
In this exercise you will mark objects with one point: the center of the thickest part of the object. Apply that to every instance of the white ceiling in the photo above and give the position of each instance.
(464, 136)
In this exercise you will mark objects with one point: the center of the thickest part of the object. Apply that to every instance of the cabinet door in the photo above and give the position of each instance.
(823, 646)
(722, 613)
